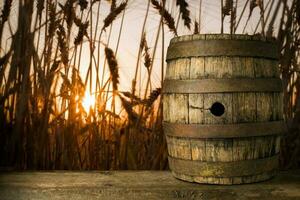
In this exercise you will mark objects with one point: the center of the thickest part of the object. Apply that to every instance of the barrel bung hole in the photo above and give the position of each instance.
(217, 109)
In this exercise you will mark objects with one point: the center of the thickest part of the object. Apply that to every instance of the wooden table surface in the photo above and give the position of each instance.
(137, 185)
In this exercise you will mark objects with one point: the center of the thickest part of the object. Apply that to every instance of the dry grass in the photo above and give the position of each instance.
(168, 19)
(185, 13)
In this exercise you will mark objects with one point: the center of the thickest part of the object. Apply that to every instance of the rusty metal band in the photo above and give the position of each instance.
(222, 85)
(224, 130)
(245, 48)
(223, 169)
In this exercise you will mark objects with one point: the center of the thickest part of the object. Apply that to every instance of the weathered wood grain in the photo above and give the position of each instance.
(264, 106)
(244, 107)
(176, 108)
(198, 149)
(265, 68)
(277, 106)
(179, 147)
(223, 98)
(178, 69)
(217, 67)
(196, 109)
(218, 150)
(139, 185)
(189, 95)
(197, 67)
(242, 67)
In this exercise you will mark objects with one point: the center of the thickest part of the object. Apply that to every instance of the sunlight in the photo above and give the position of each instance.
(88, 101)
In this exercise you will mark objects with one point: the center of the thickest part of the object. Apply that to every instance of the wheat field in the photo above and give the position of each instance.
(77, 92)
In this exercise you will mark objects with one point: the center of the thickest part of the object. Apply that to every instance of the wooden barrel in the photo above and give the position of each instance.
(222, 100)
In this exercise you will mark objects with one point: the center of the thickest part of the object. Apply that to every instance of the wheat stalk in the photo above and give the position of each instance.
(196, 28)
(113, 67)
(82, 31)
(113, 14)
(6, 11)
(168, 19)
(185, 13)
(40, 7)
(152, 97)
(62, 43)
(133, 83)
(83, 4)
(53, 23)
(147, 57)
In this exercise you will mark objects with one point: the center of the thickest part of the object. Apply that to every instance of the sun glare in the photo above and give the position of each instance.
(88, 101)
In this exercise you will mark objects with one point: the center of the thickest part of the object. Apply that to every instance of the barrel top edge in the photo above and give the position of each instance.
(235, 56)
(216, 36)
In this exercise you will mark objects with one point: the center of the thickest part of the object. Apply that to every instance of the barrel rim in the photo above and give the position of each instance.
(225, 47)
(224, 36)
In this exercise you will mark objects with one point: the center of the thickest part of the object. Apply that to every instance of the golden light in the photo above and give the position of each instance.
(88, 101)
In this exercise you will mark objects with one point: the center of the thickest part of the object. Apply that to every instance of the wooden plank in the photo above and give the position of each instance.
(278, 141)
(223, 98)
(170, 146)
(243, 149)
(275, 64)
(242, 67)
(182, 69)
(277, 106)
(218, 67)
(166, 107)
(264, 107)
(280, 106)
(177, 108)
(170, 69)
(196, 109)
(198, 149)
(238, 64)
(211, 66)
(265, 146)
(178, 69)
(261, 149)
(218, 150)
(179, 147)
(254, 147)
(136, 185)
(197, 67)
(265, 67)
(244, 107)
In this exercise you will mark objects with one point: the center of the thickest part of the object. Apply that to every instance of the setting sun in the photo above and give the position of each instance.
(88, 101)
